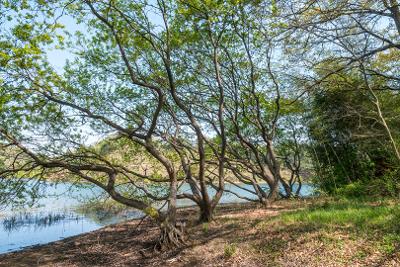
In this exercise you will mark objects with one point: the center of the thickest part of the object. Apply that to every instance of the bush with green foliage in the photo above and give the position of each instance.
(351, 151)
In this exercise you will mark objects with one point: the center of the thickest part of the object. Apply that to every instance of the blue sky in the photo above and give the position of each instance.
(58, 57)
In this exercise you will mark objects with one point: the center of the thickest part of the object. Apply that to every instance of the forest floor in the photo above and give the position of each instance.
(312, 232)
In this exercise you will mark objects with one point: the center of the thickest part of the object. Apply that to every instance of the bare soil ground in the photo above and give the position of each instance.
(241, 235)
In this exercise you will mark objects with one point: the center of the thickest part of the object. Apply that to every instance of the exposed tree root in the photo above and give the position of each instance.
(171, 236)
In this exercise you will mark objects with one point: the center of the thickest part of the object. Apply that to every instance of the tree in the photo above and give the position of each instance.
(354, 33)
(348, 138)
(96, 95)
(132, 81)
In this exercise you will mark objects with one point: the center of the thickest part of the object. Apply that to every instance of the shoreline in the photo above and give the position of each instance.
(241, 235)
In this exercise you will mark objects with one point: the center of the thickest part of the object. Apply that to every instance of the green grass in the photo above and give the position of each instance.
(229, 250)
(379, 221)
(347, 213)
(205, 227)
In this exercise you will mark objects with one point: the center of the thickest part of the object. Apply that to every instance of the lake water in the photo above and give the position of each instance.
(56, 215)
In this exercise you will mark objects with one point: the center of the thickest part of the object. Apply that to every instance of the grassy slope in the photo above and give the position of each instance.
(319, 232)
(336, 233)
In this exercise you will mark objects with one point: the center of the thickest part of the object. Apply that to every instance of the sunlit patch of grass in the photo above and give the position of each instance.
(378, 222)
(362, 216)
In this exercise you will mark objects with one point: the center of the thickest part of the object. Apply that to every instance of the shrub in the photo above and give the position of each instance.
(392, 183)
(387, 185)
(352, 190)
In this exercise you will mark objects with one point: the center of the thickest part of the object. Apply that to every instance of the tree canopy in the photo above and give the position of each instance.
(159, 93)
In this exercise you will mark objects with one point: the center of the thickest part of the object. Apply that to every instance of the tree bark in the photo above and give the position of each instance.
(206, 212)
(171, 236)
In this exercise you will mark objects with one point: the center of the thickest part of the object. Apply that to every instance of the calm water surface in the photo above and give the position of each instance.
(55, 215)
